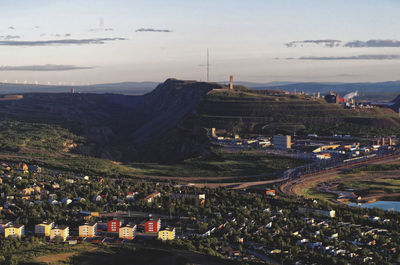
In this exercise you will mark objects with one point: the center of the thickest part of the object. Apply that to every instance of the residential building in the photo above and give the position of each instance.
(167, 234)
(201, 196)
(113, 226)
(317, 212)
(97, 198)
(61, 231)
(152, 226)
(270, 192)
(31, 190)
(128, 231)
(15, 231)
(44, 228)
(88, 230)
(150, 198)
(131, 196)
(66, 201)
(4, 224)
(24, 167)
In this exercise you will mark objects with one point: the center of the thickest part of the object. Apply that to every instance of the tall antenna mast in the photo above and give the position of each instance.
(208, 66)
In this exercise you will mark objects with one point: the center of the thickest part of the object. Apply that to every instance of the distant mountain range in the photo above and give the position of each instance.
(384, 91)
(368, 91)
(127, 88)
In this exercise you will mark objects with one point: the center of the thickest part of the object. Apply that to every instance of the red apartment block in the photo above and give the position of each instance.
(152, 226)
(113, 226)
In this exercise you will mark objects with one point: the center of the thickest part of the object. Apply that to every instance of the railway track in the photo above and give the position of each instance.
(295, 185)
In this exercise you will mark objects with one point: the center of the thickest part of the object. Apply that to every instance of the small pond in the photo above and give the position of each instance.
(384, 205)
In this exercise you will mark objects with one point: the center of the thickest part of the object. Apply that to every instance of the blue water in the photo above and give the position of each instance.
(384, 205)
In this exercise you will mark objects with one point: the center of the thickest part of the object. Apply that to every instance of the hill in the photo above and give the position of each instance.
(169, 124)
(269, 112)
(160, 126)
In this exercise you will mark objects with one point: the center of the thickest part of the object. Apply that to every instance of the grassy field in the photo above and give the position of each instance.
(371, 186)
(379, 180)
(124, 255)
(314, 194)
(224, 164)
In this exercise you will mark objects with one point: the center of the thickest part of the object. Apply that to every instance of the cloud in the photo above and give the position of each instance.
(373, 43)
(59, 42)
(326, 43)
(356, 57)
(100, 29)
(58, 35)
(12, 28)
(44, 68)
(351, 44)
(152, 30)
(347, 75)
(10, 37)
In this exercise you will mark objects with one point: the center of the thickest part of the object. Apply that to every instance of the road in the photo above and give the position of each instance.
(237, 185)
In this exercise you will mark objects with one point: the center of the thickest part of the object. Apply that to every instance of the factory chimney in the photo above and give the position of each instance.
(231, 82)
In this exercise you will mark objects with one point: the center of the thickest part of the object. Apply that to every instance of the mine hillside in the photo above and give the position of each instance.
(172, 122)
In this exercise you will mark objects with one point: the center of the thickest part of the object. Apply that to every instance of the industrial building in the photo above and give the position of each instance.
(282, 141)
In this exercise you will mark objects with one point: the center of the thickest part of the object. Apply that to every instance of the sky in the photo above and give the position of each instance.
(79, 42)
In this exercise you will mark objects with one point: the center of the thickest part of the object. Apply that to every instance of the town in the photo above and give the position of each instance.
(252, 225)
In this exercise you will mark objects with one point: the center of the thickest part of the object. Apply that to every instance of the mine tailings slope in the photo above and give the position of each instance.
(169, 124)
(161, 126)
(270, 112)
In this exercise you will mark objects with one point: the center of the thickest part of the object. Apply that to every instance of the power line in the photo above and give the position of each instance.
(208, 65)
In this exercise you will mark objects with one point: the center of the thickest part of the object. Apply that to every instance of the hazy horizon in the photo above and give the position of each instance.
(95, 42)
